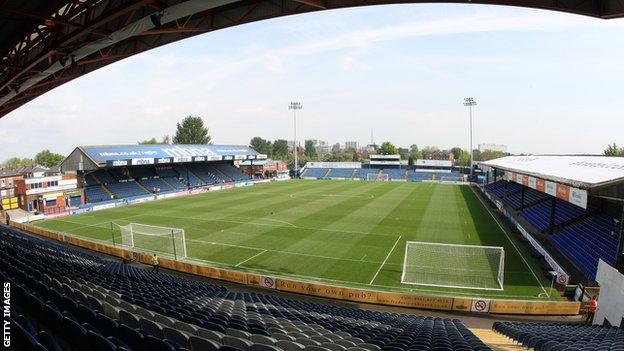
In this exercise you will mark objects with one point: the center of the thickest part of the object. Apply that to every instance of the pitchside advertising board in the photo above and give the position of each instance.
(561, 191)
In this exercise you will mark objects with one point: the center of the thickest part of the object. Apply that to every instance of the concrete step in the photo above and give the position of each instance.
(496, 341)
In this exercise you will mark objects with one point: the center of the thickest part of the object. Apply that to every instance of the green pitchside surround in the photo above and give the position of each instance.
(349, 233)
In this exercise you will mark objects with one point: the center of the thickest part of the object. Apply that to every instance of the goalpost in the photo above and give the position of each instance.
(163, 240)
(383, 177)
(453, 266)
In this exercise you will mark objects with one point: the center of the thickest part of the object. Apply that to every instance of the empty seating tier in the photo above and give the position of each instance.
(563, 337)
(587, 241)
(126, 189)
(67, 299)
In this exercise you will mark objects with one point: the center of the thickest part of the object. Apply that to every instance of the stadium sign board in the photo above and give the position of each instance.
(562, 191)
(434, 163)
(125, 155)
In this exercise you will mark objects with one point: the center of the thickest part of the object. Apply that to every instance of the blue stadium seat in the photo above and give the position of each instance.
(562, 336)
(234, 316)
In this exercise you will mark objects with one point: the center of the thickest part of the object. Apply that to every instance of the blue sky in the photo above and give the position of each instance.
(545, 82)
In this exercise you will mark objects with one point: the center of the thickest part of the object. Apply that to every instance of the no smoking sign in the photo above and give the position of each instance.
(480, 305)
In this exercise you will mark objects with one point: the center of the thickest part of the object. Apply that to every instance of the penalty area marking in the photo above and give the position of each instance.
(386, 259)
(511, 241)
(251, 258)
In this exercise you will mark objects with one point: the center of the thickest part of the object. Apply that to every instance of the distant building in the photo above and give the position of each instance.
(493, 147)
(321, 146)
(351, 145)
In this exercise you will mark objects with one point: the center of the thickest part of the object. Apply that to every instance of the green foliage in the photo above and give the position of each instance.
(464, 158)
(191, 131)
(457, 152)
(310, 150)
(487, 155)
(165, 140)
(387, 148)
(261, 146)
(403, 152)
(434, 153)
(613, 150)
(148, 141)
(15, 162)
(415, 154)
(48, 159)
(280, 149)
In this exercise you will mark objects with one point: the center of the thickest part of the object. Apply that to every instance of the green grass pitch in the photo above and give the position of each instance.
(349, 233)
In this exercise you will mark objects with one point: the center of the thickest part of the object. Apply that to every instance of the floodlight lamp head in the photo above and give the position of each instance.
(469, 101)
(295, 106)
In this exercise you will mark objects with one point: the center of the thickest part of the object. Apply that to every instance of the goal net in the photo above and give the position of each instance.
(163, 240)
(453, 266)
(382, 177)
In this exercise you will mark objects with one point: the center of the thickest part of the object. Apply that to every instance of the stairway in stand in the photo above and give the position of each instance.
(496, 341)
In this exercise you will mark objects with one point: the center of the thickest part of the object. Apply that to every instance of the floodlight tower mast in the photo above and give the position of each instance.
(470, 102)
(295, 106)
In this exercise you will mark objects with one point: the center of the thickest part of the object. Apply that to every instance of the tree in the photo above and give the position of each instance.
(403, 152)
(280, 149)
(613, 150)
(415, 154)
(464, 158)
(310, 150)
(387, 148)
(15, 162)
(48, 159)
(355, 157)
(432, 153)
(457, 152)
(191, 131)
(148, 141)
(487, 155)
(165, 140)
(261, 146)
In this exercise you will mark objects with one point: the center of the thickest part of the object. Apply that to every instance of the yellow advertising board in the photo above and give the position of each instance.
(415, 301)
(322, 290)
(461, 304)
(534, 307)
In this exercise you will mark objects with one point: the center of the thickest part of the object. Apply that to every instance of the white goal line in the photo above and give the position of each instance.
(454, 245)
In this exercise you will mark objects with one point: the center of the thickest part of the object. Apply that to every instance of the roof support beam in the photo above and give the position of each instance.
(314, 3)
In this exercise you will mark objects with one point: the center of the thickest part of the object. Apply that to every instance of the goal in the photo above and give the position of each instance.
(453, 266)
(163, 240)
(381, 177)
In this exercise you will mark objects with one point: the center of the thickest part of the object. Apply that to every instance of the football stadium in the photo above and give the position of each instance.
(182, 246)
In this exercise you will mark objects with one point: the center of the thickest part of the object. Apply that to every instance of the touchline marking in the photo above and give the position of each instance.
(511, 241)
(251, 258)
(386, 259)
